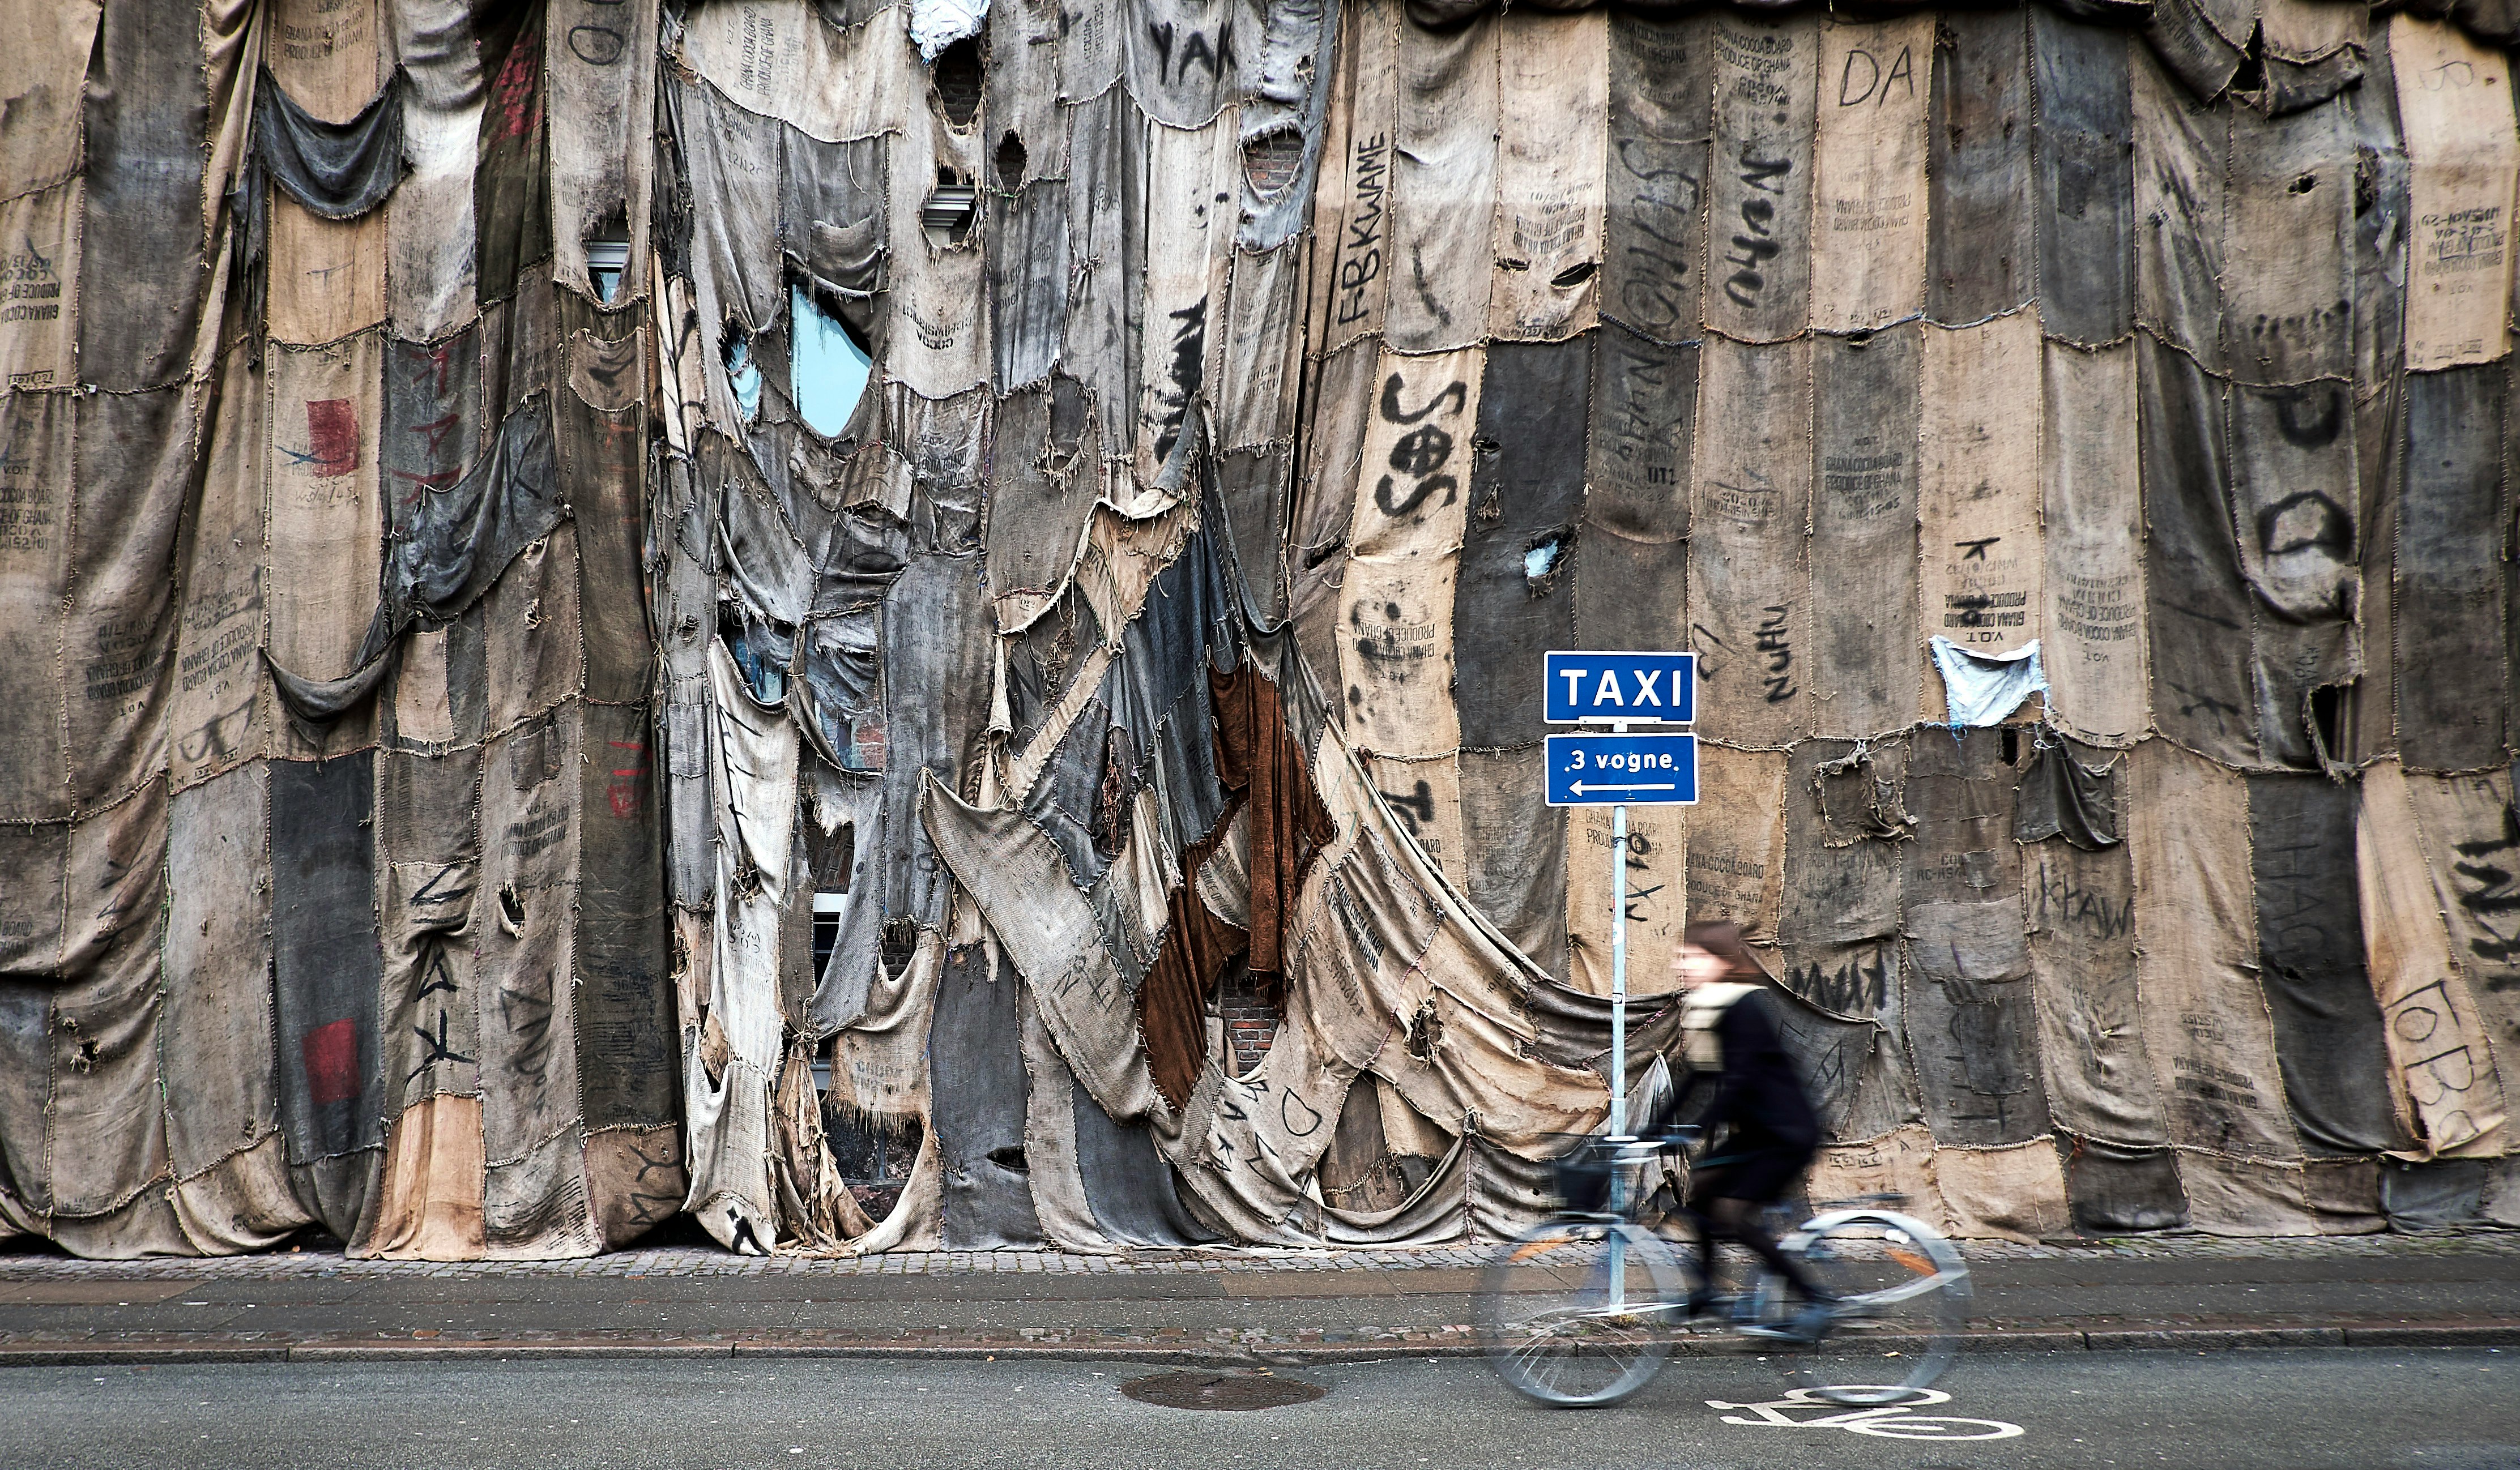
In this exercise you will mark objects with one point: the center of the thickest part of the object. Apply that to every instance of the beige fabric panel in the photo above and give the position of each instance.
(2454, 110)
(2311, 31)
(2229, 1196)
(35, 509)
(1657, 874)
(40, 295)
(939, 344)
(1396, 654)
(1352, 247)
(323, 506)
(1978, 492)
(1869, 197)
(1901, 1161)
(325, 54)
(220, 714)
(530, 631)
(2206, 1026)
(599, 57)
(523, 935)
(1426, 795)
(2423, 945)
(2472, 839)
(782, 60)
(1749, 588)
(43, 71)
(1443, 186)
(1553, 81)
(1736, 839)
(107, 1122)
(2013, 1193)
(428, 218)
(1759, 192)
(428, 1204)
(242, 1203)
(2095, 649)
(1404, 537)
(136, 459)
(219, 1082)
(537, 1209)
(1182, 320)
(1260, 351)
(328, 277)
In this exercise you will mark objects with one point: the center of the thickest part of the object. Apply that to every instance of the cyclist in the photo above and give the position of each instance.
(1761, 1122)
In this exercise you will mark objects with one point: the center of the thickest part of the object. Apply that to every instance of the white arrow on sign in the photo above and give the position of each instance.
(1580, 787)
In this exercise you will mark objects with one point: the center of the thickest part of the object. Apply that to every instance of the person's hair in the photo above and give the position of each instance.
(1722, 938)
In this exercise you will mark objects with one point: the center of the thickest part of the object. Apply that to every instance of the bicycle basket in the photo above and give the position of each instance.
(1581, 1173)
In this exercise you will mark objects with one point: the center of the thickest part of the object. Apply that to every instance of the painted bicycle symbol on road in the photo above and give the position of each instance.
(1895, 1421)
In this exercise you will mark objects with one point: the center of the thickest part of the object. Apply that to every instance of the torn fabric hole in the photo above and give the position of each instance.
(826, 366)
(1984, 688)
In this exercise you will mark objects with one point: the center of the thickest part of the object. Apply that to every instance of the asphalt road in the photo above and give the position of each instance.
(2354, 1409)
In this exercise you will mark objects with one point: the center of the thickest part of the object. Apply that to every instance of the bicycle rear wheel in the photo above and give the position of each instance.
(1580, 1312)
(1902, 1302)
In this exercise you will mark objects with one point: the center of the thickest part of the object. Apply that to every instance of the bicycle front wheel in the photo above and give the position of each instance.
(1581, 1312)
(1902, 1302)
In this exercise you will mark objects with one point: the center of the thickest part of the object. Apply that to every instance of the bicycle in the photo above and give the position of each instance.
(1583, 1309)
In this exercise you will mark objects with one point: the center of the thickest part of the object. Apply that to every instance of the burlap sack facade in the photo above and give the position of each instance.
(493, 762)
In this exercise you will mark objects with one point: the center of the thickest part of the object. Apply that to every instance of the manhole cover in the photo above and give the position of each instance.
(1221, 1391)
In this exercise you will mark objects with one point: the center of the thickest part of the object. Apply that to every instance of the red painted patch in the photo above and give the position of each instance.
(332, 437)
(332, 1055)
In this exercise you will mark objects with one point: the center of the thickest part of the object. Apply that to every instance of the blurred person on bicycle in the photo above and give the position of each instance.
(1745, 1092)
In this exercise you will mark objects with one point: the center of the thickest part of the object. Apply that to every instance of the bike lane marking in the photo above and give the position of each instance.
(1896, 1421)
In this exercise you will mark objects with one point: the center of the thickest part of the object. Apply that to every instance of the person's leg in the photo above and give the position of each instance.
(1738, 1219)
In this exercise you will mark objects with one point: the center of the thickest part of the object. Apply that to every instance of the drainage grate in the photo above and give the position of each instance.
(1221, 1391)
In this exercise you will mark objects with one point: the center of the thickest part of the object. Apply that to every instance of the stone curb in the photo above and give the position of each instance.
(2062, 1339)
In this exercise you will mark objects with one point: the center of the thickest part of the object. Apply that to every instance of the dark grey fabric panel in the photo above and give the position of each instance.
(1515, 598)
(1027, 265)
(2062, 794)
(1661, 93)
(327, 962)
(2293, 488)
(1979, 251)
(454, 543)
(340, 170)
(1863, 528)
(627, 1060)
(2203, 695)
(2191, 49)
(937, 675)
(2382, 178)
(2086, 179)
(431, 434)
(2452, 674)
(2327, 1023)
(2110, 1190)
(1080, 800)
(1043, 661)
(975, 1052)
(1127, 1184)
(1252, 485)
(2432, 1196)
(1630, 594)
(140, 242)
(1970, 1023)
(1644, 417)
(25, 1090)
(1836, 890)
(1515, 849)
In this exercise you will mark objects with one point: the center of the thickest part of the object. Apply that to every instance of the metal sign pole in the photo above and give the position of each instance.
(1619, 970)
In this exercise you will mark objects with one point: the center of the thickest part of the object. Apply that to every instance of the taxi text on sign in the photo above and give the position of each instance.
(1595, 688)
